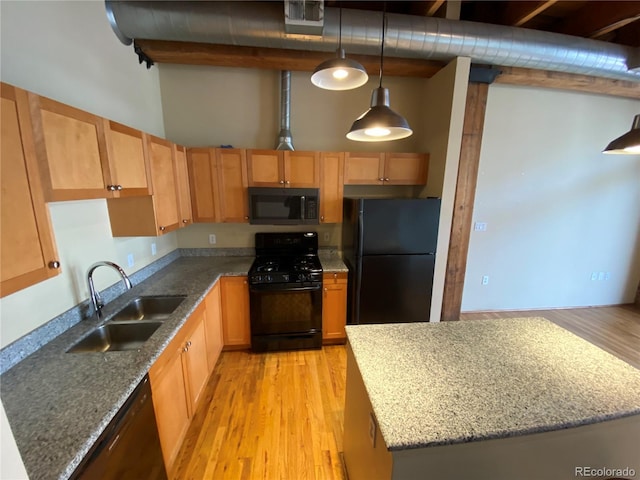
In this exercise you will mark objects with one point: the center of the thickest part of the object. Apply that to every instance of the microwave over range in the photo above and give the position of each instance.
(283, 206)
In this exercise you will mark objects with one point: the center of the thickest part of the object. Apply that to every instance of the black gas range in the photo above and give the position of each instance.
(285, 292)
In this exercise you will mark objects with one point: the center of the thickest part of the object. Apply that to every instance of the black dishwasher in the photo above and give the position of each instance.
(129, 448)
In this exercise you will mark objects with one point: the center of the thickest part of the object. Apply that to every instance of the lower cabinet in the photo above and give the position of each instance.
(334, 307)
(213, 324)
(235, 312)
(177, 379)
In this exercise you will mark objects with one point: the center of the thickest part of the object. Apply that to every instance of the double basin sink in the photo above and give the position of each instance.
(131, 326)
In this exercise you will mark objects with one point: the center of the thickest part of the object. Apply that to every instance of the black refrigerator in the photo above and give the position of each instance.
(389, 246)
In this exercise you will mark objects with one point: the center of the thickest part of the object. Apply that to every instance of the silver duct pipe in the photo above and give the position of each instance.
(261, 24)
(284, 137)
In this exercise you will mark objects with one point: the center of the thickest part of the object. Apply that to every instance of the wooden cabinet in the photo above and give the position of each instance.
(150, 215)
(71, 150)
(177, 379)
(128, 161)
(334, 307)
(218, 178)
(213, 323)
(232, 185)
(385, 168)
(28, 253)
(235, 312)
(331, 186)
(182, 184)
(288, 169)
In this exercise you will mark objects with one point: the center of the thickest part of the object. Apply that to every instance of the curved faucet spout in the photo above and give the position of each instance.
(96, 301)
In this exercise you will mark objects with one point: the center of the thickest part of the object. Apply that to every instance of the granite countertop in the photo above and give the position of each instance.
(59, 403)
(455, 382)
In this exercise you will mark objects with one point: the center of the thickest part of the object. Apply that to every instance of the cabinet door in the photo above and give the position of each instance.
(170, 401)
(182, 181)
(405, 169)
(165, 196)
(71, 150)
(334, 307)
(203, 178)
(265, 168)
(213, 326)
(301, 169)
(232, 185)
(331, 187)
(195, 358)
(28, 253)
(235, 312)
(363, 168)
(128, 160)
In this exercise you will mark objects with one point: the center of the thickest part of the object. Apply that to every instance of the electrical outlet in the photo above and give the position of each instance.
(485, 280)
(327, 237)
(480, 227)
(212, 239)
(154, 250)
(130, 261)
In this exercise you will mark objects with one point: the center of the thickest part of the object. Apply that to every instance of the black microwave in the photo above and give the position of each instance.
(283, 206)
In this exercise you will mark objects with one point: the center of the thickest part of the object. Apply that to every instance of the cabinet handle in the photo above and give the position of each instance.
(54, 264)
(287, 182)
(281, 182)
(245, 282)
(111, 188)
(185, 349)
(162, 229)
(188, 343)
(184, 220)
(335, 275)
(246, 217)
(381, 179)
(118, 187)
(322, 218)
(386, 179)
(325, 289)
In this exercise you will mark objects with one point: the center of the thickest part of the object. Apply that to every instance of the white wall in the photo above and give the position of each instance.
(67, 51)
(556, 208)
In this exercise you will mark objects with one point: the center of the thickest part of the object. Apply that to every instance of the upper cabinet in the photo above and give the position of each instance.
(288, 169)
(331, 186)
(71, 150)
(385, 168)
(156, 214)
(128, 160)
(28, 253)
(218, 178)
(182, 182)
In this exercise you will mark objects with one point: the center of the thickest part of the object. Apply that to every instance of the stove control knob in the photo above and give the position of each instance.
(285, 278)
(301, 277)
(267, 278)
(256, 279)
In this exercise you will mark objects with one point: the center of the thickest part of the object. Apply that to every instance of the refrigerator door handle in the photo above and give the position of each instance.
(360, 234)
(302, 207)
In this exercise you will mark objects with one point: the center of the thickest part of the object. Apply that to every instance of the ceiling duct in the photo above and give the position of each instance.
(262, 24)
(305, 17)
(285, 141)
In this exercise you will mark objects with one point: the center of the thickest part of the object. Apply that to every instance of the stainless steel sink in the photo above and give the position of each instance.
(148, 308)
(116, 337)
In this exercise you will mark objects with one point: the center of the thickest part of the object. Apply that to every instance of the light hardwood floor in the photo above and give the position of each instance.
(279, 416)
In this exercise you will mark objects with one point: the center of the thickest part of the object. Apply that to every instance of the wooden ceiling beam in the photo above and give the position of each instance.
(188, 53)
(599, 18)
(519, 13)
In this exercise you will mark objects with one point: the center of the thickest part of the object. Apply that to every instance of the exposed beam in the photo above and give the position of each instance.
(599, 18)
(433, 7)
(463, 204)
(569, 81)
(519, 13)
(187, 53)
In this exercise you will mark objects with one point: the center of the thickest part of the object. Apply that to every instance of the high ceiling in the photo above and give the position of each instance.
(610, 21)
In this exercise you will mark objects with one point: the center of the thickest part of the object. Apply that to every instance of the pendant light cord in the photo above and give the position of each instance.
(340, 30)
(384, 16)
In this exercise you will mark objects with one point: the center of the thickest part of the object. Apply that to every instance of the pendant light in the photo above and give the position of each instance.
(339, 73)
(629, 143)
(379, 123)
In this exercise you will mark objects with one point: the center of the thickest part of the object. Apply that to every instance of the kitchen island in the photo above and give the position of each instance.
(500, 399)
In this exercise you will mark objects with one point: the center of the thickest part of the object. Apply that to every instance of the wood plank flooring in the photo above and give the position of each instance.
(279, 416)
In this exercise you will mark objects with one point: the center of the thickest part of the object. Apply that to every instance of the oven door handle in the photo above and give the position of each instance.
(302, 207)
(277, 288)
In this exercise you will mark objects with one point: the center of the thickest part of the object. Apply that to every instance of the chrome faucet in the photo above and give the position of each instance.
(93, 293)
